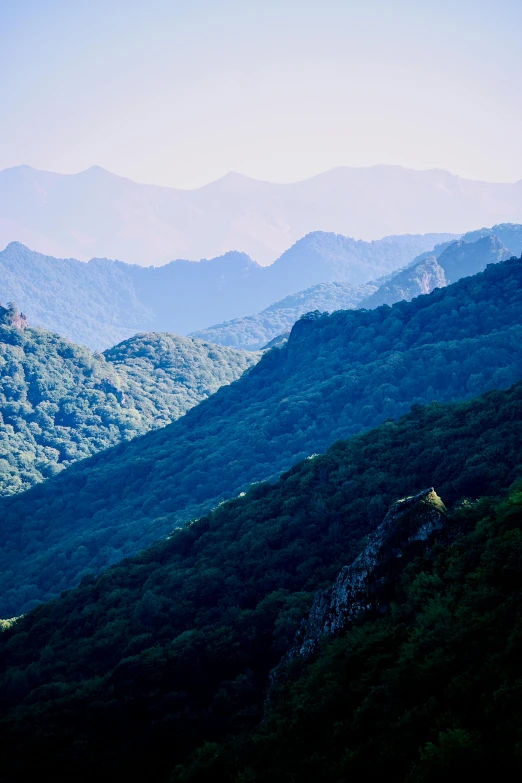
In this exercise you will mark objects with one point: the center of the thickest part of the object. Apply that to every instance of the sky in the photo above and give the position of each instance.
(180, 92)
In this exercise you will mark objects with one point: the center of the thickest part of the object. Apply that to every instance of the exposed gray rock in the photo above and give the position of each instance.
(411, 519)
(422, 278)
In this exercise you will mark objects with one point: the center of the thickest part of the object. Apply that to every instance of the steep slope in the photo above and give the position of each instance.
(353, 594)
(96, 213)
(458, 259)
(255, 331)
(462, 258)
(99, 303)
(336, 375)
(59, 403)
(126, 675)
(422, 687)
(510, 234)
(422, 278)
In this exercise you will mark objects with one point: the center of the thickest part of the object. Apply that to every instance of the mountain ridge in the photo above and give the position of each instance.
(67, 215)
(101, 302)
(459, 258)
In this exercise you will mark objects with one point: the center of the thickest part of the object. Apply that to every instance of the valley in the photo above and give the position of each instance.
(336, 375)
(260, 392)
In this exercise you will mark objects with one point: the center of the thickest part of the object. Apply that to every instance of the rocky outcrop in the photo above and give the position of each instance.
(11, 317)
(355, 591)
(422, 278)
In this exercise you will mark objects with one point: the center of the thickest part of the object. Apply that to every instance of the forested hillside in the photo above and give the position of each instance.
(60, 403)
(510, 234)
(447, 263)
(255, 331)
(125, 676)
(101, 302)
(336, 376)
(427, 691)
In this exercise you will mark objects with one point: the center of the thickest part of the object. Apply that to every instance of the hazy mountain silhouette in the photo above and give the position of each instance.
(264, 329)
(102, 302)
(456, 258)
(96, 213)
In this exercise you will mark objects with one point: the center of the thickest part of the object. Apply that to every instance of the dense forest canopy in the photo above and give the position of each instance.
(426, 691)
(336, 375)
(59, 403)
(131, 672)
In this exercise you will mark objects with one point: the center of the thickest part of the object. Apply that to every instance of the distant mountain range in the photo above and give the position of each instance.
(103, 302)
(447, 263)
(96, 213)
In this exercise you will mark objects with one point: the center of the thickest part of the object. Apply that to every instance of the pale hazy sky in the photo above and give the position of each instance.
(180, 92)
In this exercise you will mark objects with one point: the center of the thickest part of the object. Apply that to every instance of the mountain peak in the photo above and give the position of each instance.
(17, 246)
(97, 171)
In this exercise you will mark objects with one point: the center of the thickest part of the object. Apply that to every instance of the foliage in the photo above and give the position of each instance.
(432, 689)
(448, 262)
(336, 376)
(254, 331)
(462, 259)
(510, 234)
(60, 403)
(133, 670)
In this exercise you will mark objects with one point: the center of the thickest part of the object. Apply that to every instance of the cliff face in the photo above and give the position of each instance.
(412, 519)
(414, 281)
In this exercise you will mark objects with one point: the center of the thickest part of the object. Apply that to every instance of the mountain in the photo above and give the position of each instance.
(320, 257)
(420, 276)
(255, 331)
(335, 376)
(161, 665)
(458, 259)
(59, 403)
(420, 686)
(462, 259)
(510, 234)
(353, 594)
(96, 213)
(103, 302)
